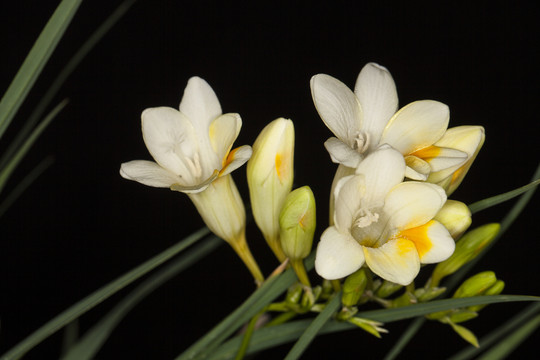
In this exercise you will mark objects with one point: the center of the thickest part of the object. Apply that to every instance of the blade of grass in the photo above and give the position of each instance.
(100, 295)
(66, 71)
(506, 346)
(270, 289)
(24, 184)
(268, 337)
(6, 172)
(313, 329)
(35, 61)
(498, 199)
(497, 334)
(93, 340)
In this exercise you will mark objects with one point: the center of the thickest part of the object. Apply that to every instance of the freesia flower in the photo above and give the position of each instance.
(383, 222)
(366, 118)
(192, 152)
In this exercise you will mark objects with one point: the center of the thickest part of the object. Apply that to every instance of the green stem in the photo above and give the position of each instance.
(300, 270)
(247, 336)
(244, 253)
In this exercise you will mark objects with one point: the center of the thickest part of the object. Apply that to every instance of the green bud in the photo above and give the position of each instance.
(467, 248)
(294, 294)
(476, 285)
(386, 289)
(354, 287)
(455, 216)
(460, 316)
(495, 289)
(270, 177)
(297, 223)
(427, 294)
(465, 334)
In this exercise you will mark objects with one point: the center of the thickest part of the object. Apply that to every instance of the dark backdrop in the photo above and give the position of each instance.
(80, 225)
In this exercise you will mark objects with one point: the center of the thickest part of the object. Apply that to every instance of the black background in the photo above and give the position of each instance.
(80, 225)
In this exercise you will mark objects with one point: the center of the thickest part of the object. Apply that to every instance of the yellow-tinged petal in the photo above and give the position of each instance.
(223, 132)
(396, 261)
(455, 216)
(236, 158)
(417, 169)
(432, 240)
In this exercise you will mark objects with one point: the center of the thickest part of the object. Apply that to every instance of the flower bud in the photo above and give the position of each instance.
(270, 178)
(455, 216)
(387, 288)
(354, 287)
(297, 223)
(467, 248)
(495, 289)
(476, 285)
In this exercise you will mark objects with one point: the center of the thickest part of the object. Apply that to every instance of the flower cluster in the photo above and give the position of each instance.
(389, 208)
(379, 219)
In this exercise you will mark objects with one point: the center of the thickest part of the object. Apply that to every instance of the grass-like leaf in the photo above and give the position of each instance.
(497, 199)
(270, 290)
(94, 338)
(57, 83)
(313, 329)
(281, 334)
(6, 172)
(35, 61)
(100, 295)
(496, 335)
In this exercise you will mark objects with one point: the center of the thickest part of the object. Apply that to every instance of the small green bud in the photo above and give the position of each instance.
(495, 289)
(386, 289)
(294, 294)
(465, 334)
(455, 216)
(460, 316)
(476, 285)
(427, 294)
(270, 177)
(467, 248)
(354, 287)
(297, 223)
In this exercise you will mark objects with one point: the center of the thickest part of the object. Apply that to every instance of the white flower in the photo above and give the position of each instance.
(191, 147)
(383, 222)
(366, 118)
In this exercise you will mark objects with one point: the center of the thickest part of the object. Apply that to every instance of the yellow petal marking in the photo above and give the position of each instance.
(428, 152)
(282, 166)
(419, 236)
(228, 159)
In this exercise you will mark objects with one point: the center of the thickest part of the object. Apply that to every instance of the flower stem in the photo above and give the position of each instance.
(242, 249)
(300, 270)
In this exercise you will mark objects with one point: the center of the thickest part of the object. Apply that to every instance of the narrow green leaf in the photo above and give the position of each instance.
(93, 340)
(465, 334)
(21, 152)
(66, 71)
(496, 335)
(24, 184)
(404, 339)
(314, 328)
(497, 199)
(506, 346)
(35, 61)
(270, 290)
(100, 295)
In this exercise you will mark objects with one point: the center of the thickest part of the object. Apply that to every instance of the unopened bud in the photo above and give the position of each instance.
(467, 248)
(270, 177)
(476, 285)
(387, 288)
(455, 216)
(354, 287)
(297, 223)
(495, 289)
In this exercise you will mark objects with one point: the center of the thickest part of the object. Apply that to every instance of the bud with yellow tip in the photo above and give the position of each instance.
(455, 216)
(270, 177)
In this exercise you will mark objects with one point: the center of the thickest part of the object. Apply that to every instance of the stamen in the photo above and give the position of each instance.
(195, 166)
(361, 142)
(365, 218)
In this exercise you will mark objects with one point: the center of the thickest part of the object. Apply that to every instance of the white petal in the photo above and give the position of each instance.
(170, 138)
(341, 172)
(377, 93)
(223, 131)
(342, 153)
(236, 158)
(348, 193)
(432, 240)
(148, 173)
(197, 188)
(416, 126)
(338, 255)
(382, 170)
(411, 204)
(200, 104)
(417, 169)
(338, 107)
(396, 261)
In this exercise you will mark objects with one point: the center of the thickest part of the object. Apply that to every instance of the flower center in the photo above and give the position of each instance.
(361, 142)
(195, 166)
(365, 218)
(364, 229)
